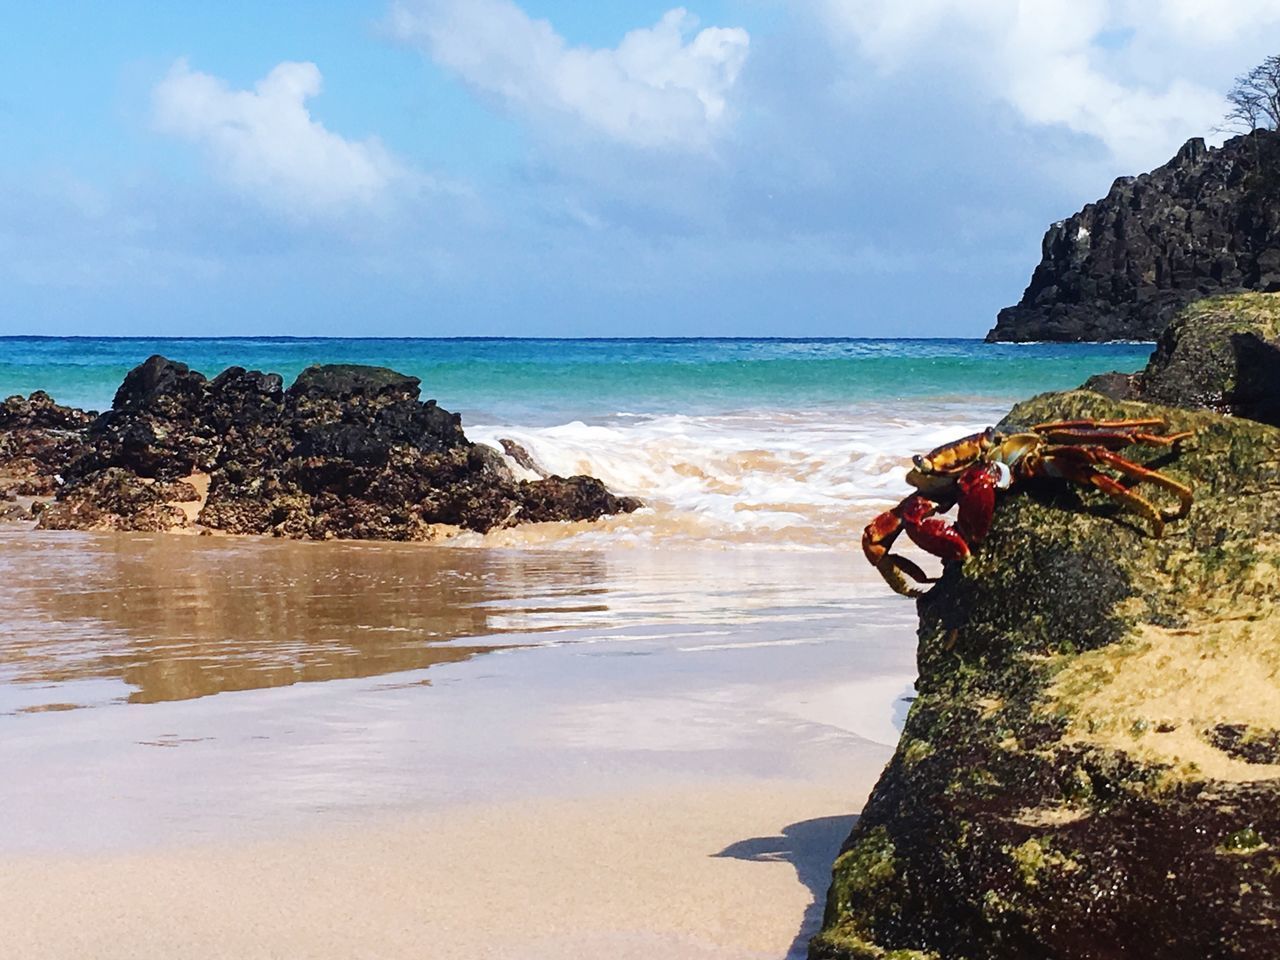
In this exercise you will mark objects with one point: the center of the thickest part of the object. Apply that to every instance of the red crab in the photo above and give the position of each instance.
(970, 470)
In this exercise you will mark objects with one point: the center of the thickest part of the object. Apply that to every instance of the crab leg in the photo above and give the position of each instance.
(1141, 473)
(1076, 464)
(1104, 424)
(978, 487)
(878, 537)
(1110, 433)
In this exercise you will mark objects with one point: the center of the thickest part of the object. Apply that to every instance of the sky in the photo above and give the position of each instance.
(558, 168)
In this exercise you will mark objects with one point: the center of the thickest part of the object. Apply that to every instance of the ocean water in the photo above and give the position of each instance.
(786, 443)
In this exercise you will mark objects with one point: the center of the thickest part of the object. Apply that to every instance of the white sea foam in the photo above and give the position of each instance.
(794, 478)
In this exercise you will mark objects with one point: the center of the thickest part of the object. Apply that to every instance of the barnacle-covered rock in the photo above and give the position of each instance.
(346, 451)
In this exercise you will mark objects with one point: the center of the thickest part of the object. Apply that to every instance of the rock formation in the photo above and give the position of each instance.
(1092, 766)
(345, 452)
(1222, 354)
(1205, 223)
(37, 439)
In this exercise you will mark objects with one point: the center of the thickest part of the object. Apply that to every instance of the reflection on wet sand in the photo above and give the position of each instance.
(605, 670)
(176, 617)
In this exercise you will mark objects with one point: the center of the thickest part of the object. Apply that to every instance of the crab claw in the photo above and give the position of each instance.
(932, 533)
(978, 487)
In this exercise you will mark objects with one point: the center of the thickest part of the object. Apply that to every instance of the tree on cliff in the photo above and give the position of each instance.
(1255, 99)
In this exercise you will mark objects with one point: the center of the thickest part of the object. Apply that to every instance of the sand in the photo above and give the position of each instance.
(219, 748)
(737, 870)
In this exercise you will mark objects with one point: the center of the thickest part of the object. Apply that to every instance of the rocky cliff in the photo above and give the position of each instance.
(1091, 769)
(345, 451)
(1205, 223)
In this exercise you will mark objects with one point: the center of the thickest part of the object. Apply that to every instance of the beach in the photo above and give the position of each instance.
(569, 769)
(643, 735)
(665, 873)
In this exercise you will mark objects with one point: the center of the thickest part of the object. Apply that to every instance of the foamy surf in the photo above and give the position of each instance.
(791, 479)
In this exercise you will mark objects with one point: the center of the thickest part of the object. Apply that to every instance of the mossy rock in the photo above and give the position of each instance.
(1059, 790)
(1220, 353)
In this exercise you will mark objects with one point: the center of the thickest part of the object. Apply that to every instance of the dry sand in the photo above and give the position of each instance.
(733, 871)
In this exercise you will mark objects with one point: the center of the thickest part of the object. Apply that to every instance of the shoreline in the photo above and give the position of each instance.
(375, 679)
(625, 788)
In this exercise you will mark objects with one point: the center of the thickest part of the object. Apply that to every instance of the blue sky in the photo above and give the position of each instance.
(490, 167)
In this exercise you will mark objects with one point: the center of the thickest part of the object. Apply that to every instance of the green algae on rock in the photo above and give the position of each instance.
(1220, 353)
(1086, 771)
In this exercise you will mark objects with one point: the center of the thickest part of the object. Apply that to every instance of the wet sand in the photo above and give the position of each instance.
(262, 749)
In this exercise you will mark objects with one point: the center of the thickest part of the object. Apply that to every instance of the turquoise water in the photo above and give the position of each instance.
(543, 382)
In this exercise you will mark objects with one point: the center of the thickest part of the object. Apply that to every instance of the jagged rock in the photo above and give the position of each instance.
(522, 457)
(1207, 222)
(1117, 386)
(346, 452)
(38, 439)
(115, 499)
(11, 512)
(39, 412)
(1088, 769)
(557, 497)
(167, 421)
(1221, 354)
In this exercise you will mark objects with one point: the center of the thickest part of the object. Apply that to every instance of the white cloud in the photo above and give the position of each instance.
(264, 141)
(1052, 62)
(664, 86)
(1203, 22)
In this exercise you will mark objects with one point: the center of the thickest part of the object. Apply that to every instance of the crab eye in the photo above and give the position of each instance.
(920, 462)
(990, 434)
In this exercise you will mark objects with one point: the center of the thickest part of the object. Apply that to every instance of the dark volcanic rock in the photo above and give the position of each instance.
(557, 497)
(522, 457)
(347, 451)
(1090, 768)
(1207, 222)
(115, 499)
(12, 512)
(360, 413)
(38, 440)
(39, 412)
(1117, 386)
(168, 421)
(1220, 354)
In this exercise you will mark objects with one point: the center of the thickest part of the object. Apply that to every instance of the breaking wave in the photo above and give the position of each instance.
(792, 479)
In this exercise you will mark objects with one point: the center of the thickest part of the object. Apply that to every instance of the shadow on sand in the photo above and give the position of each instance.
(810, 846)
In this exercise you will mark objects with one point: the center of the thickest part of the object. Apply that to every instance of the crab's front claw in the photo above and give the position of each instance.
(877, 538)
(932, 533)
(896, 570)
(978, 486)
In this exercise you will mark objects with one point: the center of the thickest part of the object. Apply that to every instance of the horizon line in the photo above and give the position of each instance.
(591, 339)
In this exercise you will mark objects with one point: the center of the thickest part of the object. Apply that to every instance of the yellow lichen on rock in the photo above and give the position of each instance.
(1155, 697)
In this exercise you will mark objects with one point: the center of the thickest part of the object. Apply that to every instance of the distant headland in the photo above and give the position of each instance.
(1205, 223)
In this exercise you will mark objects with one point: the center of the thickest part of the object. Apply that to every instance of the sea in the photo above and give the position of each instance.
(779, 443)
